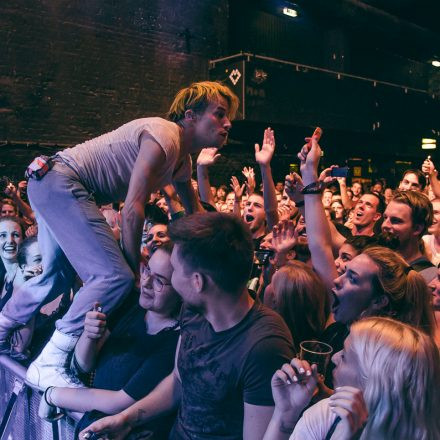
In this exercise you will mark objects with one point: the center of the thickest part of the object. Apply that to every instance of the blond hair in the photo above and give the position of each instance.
(409, 299)
(197, 97)
(400, 367)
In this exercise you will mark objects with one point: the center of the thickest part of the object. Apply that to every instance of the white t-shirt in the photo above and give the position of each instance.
(315, 423)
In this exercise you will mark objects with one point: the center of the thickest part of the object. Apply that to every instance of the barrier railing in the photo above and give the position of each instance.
(19, 408)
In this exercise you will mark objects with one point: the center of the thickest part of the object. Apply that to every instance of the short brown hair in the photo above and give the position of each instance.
(421, 208)
(218, 244)
(197, 97)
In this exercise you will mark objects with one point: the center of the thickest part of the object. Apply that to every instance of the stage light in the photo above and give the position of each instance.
(435, 63)
(290, 12)
(429, 144)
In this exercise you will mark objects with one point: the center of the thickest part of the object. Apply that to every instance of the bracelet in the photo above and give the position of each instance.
(299, 203)
(47, 396)
(313, 188)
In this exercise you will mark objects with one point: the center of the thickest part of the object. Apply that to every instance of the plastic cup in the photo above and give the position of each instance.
(316, 352)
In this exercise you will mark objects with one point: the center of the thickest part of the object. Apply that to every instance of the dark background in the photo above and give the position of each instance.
(71, 70)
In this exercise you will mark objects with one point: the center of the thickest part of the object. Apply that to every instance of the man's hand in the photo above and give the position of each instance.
(95, 324)
(283, 236)
(284, 212)
(235, 186)
(31, 231)
(309, 158)
(348, 403)
(264, 156)
(109, 428)
(250, 183)
(428, 167)
(293, 386)
(293, 186)
(11, 191)
(325, 176)
(207, 157)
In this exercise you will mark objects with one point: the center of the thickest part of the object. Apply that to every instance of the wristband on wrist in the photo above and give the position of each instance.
(312, 188)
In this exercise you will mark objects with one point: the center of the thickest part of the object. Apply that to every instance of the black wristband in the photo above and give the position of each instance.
(312, 188)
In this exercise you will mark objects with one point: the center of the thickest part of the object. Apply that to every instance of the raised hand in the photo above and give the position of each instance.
(208, 157)
(109, 428)
(235, 186)
(250, 183)
(325, 175)
(95, 324)
(283, 236)
(264, 156)
(348, 403)
(31, 231)
(293, 185)
(11, 191)
(428, 167)
(284, 212)
(293, 386)
(309, 158)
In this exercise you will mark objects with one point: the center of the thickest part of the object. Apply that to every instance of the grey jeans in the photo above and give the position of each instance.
(72, 232)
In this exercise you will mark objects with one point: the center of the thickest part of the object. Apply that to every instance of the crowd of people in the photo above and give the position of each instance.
(157, 305)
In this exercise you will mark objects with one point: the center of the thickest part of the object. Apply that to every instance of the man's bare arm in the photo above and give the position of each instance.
(188, 197)
(143, 181)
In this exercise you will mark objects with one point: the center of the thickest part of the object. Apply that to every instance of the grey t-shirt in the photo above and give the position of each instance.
(105, 163)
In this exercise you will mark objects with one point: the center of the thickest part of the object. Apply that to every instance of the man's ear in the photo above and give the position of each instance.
(190, 115)
(377, 216)
(198, 282)
(417, 229)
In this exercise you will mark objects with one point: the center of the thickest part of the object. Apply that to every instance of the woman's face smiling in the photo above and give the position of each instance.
(10, 238)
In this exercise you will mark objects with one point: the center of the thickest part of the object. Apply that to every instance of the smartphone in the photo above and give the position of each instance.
(261, 257)
(339, 172)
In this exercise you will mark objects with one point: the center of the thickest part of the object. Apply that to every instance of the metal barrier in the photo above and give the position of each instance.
(19, 408)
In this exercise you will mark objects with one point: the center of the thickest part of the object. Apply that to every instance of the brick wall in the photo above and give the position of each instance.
(70, 70)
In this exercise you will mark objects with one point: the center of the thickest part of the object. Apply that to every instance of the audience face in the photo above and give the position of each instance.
(8, 210)
(435, 288)
(156, 236)
(365, 212)
(356, 189)
(285, 200)
(377, 187)
(433, 229)
(410, 182)
(10, 239)
(162, 204)
(33, 257)
(279, 187)
(213, 191)
(347, 368)
(221, 193)
(230, 200)
(388, 194)
(353, 292)
(346, 253)
(398, 223)
(338, 209)
(301, 231)
(182, 281)
(266, 242)
(327, 198)
(157, 293)
(254, 215)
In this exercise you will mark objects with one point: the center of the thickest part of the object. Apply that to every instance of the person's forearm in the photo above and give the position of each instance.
(163, 399)
(133, 218)
(318, 234)
(86, 352)
(435, 184)
(281, 425)
(88, 399)
(346, 202)
(204, 185)
(24, 208)
(270, 197)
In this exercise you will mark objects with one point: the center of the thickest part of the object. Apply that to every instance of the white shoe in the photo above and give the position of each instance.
(52, 366)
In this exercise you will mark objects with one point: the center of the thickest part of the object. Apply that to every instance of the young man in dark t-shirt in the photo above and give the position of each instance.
(229, 348)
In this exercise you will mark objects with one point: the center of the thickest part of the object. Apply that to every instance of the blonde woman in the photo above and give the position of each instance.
(388, 376)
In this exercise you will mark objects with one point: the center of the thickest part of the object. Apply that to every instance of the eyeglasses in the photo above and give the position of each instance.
(153, 280)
